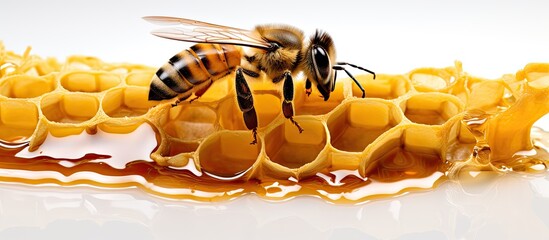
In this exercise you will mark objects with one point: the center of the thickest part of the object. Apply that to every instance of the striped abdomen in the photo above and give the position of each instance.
(192, 67)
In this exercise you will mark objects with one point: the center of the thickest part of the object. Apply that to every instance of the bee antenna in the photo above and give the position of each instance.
(358, 67)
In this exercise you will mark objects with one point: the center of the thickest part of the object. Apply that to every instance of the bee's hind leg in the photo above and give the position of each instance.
(246, 103)
(181, 99)
(287, 104)
(201, 92)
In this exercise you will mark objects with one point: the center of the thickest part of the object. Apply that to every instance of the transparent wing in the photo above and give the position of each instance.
(189, 30)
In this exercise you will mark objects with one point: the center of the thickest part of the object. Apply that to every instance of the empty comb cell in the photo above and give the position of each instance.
(431, 108)
(293, 152)
(358, 123)
(190, 122)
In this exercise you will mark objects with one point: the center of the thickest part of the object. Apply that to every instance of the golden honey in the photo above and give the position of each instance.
(412, 131)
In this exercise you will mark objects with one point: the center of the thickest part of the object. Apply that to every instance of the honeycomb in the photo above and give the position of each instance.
(410, 132)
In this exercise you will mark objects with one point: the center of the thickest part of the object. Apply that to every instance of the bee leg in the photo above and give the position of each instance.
(246, 103)
(308, 87)
(180, 99)
(334, 81)
(358, 67)
(287, 104)
(250, 73)
(352, 77)
(201, 92)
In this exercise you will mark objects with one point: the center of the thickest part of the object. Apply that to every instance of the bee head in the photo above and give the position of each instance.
(319, 60)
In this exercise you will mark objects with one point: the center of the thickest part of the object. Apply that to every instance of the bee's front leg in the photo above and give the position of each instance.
(308, 87)
(287, 103)
(246, 103)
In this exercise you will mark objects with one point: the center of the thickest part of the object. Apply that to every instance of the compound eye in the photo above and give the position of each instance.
(322, 63)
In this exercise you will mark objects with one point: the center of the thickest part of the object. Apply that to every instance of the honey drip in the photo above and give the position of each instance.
(89, 122)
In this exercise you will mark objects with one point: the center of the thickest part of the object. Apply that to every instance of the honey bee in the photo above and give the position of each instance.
(280, 51)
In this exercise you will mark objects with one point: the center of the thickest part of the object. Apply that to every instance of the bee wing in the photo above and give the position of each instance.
(189, 30)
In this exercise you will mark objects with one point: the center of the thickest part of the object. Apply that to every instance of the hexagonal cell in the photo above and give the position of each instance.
(433, 79)
(407, 152)
(228, 155)
(190, 122)
(431, 108)
(485, 94)
(126, 68)
(460, 142)
(69, 108)
(358, 123)
(82, 81)
(23, 86)
(82, 63)
(267, 107)
(535, 72)
(384, 86)
(315, 104)
(140, 78)
(219, 89)
(18, 119)
(287, 147)
(126, 102)
(177, 147)
(120, 125)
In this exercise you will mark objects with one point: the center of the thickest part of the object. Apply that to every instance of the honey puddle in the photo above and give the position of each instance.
(122, 160)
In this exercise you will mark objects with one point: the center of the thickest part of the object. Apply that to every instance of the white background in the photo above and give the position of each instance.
(490, 37)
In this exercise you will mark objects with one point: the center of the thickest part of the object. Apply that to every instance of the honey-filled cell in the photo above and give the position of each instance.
(358, 123)
(228, 154)
(431, 108)
(177, 147)
(460, 142)
(69, 108)
(392, 160)
(18, 120)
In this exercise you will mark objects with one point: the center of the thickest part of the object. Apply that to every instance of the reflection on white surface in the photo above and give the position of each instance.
(504, 207)
(115, 149)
